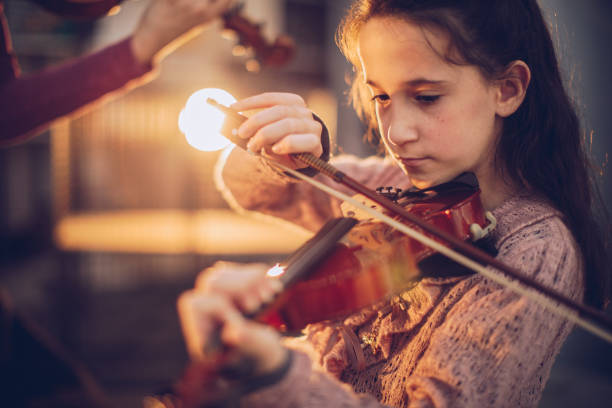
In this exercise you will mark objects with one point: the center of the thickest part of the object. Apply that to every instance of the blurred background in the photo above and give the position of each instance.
(108, 216)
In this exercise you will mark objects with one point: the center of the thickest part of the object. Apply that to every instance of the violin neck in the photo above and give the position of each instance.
(305, 260)
(315, 250)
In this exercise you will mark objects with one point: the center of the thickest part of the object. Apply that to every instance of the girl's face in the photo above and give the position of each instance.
(436, 119)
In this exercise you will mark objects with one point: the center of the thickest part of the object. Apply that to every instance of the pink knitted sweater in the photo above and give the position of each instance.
(452, 342)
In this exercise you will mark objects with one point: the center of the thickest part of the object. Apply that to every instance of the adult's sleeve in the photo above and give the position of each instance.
(30, 102)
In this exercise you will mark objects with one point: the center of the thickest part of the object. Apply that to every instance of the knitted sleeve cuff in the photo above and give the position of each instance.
(325, 143)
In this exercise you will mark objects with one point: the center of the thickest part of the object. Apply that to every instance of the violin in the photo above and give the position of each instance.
(376, 261)
(251, 41)
(326, 279)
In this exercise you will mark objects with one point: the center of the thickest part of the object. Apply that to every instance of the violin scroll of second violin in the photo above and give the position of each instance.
(250, 39)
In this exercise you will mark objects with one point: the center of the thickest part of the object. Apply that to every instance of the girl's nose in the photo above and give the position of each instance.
(402, 128)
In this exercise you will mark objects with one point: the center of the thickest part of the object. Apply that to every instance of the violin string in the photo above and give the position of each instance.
(488, 272)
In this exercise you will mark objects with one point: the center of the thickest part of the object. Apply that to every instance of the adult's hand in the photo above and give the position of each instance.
(166, 24)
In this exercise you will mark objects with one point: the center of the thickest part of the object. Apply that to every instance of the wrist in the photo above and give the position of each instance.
(325, 144)
(142, 49)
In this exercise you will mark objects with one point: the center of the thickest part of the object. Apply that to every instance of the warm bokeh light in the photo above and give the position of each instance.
(210, 231)
(201, 123)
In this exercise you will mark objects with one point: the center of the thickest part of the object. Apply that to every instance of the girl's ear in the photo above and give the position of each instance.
(512, 87)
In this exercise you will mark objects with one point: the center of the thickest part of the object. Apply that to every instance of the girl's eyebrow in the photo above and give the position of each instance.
(414, 83)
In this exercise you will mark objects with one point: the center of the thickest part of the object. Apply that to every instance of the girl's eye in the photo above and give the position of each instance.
(427, 99)
(382, 99)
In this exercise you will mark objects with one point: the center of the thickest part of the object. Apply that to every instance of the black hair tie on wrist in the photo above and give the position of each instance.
(325, 143)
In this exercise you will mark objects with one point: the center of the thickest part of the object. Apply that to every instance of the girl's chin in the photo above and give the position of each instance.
(419, 178)
(422, 182)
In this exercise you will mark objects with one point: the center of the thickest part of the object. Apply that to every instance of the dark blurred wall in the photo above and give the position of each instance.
(582, 375)
(582, 34)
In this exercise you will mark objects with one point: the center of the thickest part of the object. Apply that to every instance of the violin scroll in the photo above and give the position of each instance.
(250, 39)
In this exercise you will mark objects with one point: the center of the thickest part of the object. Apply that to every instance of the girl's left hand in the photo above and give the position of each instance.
(221, 294)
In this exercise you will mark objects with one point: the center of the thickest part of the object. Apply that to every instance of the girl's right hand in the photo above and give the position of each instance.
(283, 125)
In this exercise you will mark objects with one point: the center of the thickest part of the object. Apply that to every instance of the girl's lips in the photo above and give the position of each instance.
(412, 161)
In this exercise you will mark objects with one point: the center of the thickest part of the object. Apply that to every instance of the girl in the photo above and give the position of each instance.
(451, 87)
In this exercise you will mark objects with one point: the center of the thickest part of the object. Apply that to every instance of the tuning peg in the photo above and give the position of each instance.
(114, 10)
(253, 65)
(239, 50)
(230, 35)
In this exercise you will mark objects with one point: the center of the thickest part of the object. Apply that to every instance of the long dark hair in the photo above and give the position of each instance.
(541, 146)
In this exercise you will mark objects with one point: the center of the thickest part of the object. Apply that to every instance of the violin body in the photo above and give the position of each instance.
(376, 262)
(350, 278)
(250, 38)
(456, 212)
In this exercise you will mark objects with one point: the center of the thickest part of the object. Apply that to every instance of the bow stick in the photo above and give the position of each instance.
(465, 254)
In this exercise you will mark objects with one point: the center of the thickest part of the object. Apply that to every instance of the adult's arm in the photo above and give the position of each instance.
(29, 103)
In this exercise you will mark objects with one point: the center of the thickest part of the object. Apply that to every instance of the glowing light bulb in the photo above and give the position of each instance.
(201, 123)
